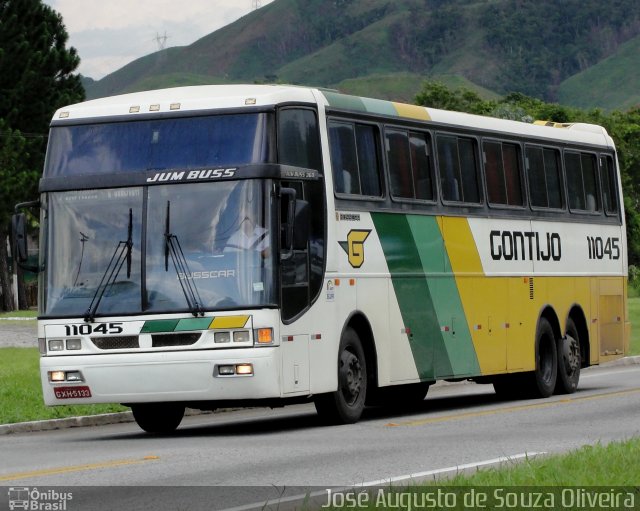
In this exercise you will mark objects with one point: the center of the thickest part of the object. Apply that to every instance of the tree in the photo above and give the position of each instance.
(36, 78)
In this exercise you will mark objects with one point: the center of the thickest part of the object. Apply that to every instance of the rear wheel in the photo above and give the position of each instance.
(345, 405)
(542, 381)
(569, 360)
(158, 417)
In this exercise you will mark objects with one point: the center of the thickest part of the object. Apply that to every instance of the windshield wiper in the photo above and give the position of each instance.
(121, 254)
(172, 248)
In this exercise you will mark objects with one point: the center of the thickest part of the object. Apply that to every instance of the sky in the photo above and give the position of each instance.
(109, 34)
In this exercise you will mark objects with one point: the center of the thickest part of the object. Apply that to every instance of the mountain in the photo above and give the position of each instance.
(385, 48)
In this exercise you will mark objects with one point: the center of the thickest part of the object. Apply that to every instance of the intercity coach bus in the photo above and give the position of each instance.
(262, 245)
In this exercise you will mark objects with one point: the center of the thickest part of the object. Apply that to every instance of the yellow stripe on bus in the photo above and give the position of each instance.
(229, 322)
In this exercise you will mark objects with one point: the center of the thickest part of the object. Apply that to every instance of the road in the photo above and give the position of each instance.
(270, 449)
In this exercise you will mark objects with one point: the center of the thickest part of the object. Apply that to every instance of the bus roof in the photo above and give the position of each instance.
(212, 97)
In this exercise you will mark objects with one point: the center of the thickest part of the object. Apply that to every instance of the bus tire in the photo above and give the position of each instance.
(345, 405)
(569, 360)
(542, 381)
(158, 417)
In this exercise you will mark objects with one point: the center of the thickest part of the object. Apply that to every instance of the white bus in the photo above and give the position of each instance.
(263, 245)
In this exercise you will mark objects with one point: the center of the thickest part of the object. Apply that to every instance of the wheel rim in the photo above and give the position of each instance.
(350, 377)
(571, 354)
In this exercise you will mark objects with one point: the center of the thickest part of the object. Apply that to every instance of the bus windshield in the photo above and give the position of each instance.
(159, 249)
(141, 145)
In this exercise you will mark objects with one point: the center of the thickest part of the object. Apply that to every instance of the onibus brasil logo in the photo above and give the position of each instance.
(38, 500)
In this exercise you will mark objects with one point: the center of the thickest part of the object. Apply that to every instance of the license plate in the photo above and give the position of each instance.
(72, 392)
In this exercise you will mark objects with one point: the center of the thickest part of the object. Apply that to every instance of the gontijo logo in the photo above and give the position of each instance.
(354, 246)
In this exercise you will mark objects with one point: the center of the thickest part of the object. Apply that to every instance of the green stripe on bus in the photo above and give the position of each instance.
(159, 325)
(427, 295)
(460, 351)
(193, 324)
(411, 289)
(345, 102)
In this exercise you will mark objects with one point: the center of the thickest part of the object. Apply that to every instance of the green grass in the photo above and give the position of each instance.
(19, 314)
(615, 464)
(546, 482)
(21, 391)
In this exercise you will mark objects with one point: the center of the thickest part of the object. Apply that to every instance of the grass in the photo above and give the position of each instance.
(31, 314)
(21, 392)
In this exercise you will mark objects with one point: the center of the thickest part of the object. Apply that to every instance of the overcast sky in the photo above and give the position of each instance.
(111, 33)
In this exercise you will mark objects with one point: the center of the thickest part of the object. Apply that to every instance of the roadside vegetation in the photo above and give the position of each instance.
(21, 392)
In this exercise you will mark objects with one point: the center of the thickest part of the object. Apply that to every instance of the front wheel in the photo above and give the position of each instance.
(345, 405)
(158, 417)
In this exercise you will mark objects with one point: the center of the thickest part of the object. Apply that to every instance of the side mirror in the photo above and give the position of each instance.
(19, 238)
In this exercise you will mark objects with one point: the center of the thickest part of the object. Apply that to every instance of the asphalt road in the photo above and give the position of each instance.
(236, 458)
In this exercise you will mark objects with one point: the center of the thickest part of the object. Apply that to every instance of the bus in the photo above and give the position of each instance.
(262, 245)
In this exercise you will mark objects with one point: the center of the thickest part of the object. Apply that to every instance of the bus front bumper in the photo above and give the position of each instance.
(180, 376)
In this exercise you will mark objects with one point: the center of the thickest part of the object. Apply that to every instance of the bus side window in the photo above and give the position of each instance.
(299, 138)
(399, 164)
(502, 171)
(410, 168)
(422, 168)
(458, 169)
(354, 158)
(608, 177)
(581, 182)
(543, 170)
(343, 157)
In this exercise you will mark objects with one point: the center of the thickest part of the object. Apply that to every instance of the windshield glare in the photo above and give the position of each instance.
(212, 240)
(185, 143)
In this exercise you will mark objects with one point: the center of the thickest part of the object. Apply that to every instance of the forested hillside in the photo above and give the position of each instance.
(528, 46)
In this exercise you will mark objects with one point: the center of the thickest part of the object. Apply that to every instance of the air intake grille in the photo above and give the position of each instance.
(182, 339)
(116, 343)
(530, 288)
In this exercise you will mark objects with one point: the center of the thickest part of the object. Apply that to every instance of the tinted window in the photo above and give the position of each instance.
(608, 175)
(502, 171)
(298, 139)
(458, 169)
(410, 167)
(543, 169)
(582, 181)
(159, 144)
(354, 158)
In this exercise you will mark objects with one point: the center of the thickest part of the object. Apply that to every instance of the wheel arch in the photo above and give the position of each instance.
(361, 325)
(549, 313)
(576, 314)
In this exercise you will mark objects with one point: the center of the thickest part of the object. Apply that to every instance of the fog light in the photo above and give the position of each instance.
(56, 376)
(74, 344)
(74, 376)
(264, 335)
(244, 369)
(222, 337)
(241, 336)
(226, 370)
(57, 345)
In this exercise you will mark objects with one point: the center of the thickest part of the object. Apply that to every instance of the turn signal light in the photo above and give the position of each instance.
(264, 335)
